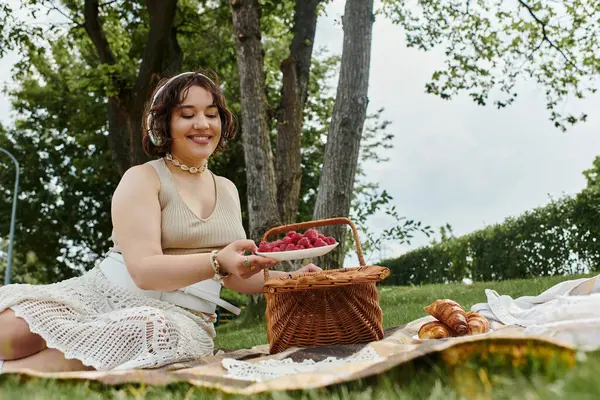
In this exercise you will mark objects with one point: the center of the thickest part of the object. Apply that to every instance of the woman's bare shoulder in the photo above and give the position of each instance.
(138, 178)
(226, 183)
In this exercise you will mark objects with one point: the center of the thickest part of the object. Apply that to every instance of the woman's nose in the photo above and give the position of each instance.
(201, 122)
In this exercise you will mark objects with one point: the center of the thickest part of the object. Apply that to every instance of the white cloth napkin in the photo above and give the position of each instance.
(569, 311)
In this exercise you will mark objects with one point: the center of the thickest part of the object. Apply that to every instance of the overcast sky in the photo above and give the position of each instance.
(456, 162)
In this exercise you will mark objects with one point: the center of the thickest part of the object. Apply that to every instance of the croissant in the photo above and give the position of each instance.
(451, 313)
(477, 323)
(434, 330)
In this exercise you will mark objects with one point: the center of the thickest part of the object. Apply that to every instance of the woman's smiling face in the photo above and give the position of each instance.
(195, 127)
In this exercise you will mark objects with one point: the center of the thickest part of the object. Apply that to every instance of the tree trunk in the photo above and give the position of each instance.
(162, 56)
(116, 114)
(263, 189)
(345, 132)
(118, 132)
(260, 173)
(296, 71)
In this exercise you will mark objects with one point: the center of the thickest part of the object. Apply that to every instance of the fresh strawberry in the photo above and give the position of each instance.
(303, 242)
(319, 243)
(297, 241)
(264, 247)
(311, 234)
(297, 237)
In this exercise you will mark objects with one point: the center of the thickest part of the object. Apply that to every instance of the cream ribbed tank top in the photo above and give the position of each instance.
(182, 231)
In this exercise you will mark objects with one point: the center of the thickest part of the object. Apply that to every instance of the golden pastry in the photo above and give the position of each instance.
(434, 330)
(450, 313)
(477, 323)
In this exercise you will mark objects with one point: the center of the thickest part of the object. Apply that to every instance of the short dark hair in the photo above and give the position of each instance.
(172, 96)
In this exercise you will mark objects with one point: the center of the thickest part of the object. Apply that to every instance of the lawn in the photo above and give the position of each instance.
(425, 380)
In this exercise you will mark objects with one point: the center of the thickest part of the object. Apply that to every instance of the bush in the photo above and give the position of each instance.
(560, 238)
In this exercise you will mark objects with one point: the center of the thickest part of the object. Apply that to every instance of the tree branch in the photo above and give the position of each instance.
(93, 27)
(162, 16)
(61, 12)
(539, 46)
(546, 37)
(108, 3)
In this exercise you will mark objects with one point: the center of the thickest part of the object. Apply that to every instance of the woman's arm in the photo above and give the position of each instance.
(136, 217)
(255, 283)
(252, 285)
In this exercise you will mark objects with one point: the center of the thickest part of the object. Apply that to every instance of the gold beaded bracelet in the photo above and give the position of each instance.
(214, 263)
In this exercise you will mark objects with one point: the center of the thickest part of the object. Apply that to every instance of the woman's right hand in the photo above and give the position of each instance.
(233, 261)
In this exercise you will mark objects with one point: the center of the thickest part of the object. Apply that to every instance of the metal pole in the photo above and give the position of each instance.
(13, 217)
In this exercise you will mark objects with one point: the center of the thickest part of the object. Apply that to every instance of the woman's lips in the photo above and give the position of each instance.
(200, 139)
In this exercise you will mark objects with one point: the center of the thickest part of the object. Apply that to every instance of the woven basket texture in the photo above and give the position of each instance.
(330, 307)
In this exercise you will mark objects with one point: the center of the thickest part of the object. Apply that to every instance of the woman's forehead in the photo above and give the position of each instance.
(196, 96)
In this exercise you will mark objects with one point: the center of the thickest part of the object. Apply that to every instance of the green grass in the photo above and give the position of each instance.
(425, 379)
(402, 304)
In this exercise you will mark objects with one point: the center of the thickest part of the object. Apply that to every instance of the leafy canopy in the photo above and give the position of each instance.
(490, 44)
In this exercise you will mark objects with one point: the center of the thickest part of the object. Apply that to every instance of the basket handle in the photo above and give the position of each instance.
(313, 224)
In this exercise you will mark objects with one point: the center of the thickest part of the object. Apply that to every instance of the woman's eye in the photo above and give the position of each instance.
(187, 116)
(212, 115)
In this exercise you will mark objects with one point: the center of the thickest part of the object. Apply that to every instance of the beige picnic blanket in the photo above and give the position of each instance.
(395, 349)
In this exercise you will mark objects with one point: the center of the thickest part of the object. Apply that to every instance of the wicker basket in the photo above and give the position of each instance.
(339, 306)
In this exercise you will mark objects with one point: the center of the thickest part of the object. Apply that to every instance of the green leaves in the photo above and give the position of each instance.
(592, 176)
(61, 136)
(560, 238)
(490, 46)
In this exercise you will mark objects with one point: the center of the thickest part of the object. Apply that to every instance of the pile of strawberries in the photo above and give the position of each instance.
(297, 241)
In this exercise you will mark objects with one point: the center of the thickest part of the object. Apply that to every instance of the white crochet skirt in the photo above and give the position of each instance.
(107, 327)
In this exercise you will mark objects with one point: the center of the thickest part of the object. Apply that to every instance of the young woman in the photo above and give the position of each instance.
(178, 236)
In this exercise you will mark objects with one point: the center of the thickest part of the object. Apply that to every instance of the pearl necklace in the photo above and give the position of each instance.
(191, 170)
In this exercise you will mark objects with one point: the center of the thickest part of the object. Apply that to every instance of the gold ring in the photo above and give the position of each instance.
(252, 267)
(247, 263)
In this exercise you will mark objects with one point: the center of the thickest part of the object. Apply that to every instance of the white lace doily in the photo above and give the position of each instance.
(272, 369)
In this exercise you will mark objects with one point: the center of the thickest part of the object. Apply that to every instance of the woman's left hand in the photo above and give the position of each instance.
(309, 268)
